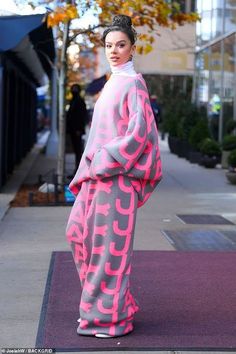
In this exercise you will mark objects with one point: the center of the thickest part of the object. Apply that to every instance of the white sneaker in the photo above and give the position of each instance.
(102, 335)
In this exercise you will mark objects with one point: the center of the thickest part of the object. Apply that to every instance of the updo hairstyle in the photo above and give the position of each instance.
(121, 23)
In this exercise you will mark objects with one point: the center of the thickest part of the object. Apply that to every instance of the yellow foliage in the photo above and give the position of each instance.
(147, 49)
(148, 13)
(71, 11)
(62, 14)
(139, 49)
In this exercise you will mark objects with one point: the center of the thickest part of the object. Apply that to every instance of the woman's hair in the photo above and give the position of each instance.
(123, 24)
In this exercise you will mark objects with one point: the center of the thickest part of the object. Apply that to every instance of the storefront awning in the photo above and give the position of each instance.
(31, 41)
(96, 85)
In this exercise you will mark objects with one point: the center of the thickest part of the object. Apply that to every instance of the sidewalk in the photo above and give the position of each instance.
(29, 235)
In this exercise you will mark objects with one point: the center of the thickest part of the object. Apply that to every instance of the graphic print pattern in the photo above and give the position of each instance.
(123, 138)
(100, 231)
(119, 170)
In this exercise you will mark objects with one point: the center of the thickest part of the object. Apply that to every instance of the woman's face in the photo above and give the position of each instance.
(118, 48)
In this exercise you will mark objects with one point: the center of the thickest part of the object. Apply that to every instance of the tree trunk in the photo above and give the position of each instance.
(62, 125)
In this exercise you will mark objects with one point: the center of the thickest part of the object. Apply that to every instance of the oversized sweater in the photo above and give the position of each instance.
(123, 138)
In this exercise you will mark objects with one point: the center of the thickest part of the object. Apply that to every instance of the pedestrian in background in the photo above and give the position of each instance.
(214, 113)
(119, 170)
(76, 120)
(156, 109)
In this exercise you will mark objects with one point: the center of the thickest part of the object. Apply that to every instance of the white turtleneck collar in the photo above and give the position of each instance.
(126, 69)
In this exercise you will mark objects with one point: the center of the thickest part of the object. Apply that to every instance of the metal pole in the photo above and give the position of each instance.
(234, 114)
(194, 82)
(62, 125)
(222, 54)
(220, 132)
(1, 121)
(52, 145)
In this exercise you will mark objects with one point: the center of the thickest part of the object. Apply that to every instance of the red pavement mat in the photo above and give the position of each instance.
(187, 301)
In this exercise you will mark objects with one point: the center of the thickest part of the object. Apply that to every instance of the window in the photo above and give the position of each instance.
(230, 15)
(182, 4)
(193, 6)
(202, 87)
(229, 80)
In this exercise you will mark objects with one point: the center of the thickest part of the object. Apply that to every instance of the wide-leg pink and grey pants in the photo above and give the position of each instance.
(100, 231)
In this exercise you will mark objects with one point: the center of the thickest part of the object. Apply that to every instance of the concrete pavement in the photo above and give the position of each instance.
(29, 235)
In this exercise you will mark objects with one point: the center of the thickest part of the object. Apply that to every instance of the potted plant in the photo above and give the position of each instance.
(170, 125)
(228, 144)
(211, 153)
(197, 134)
(231, 173)
(230, 126)
(188, 119)
(174, 112)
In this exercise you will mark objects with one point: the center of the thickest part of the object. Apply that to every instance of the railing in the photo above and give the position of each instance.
(50, 192)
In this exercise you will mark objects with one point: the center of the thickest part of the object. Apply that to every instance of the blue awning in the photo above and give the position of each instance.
(14, 29)
(96, 85)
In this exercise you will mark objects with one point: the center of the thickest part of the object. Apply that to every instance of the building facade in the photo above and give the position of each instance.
(26, 53)
(215, 66)
(171, 62)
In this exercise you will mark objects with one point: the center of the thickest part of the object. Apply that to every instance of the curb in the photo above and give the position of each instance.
(9, 191)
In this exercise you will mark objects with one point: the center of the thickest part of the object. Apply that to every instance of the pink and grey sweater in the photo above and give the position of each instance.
(123, 138)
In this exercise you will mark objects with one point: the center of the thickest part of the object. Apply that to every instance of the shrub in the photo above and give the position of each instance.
(230, 126)
(170, 118)
(188, 119)
(198, 133)
(210, 147)
(232, 158)
(229, 142)
(170, 124)
(179, 116)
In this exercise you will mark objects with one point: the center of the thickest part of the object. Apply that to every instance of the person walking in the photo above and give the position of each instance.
(76, 120)
(119, 170)
(156, 110)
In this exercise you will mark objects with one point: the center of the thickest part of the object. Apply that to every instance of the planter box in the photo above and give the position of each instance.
(224, 159)
(209, 161)
(194, 156)
(231, 176)
(183, 148)
(172, 142)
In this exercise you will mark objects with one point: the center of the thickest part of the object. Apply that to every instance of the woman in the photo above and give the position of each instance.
(119, 170)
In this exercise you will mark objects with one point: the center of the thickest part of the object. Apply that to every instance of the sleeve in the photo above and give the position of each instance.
(121, 153)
